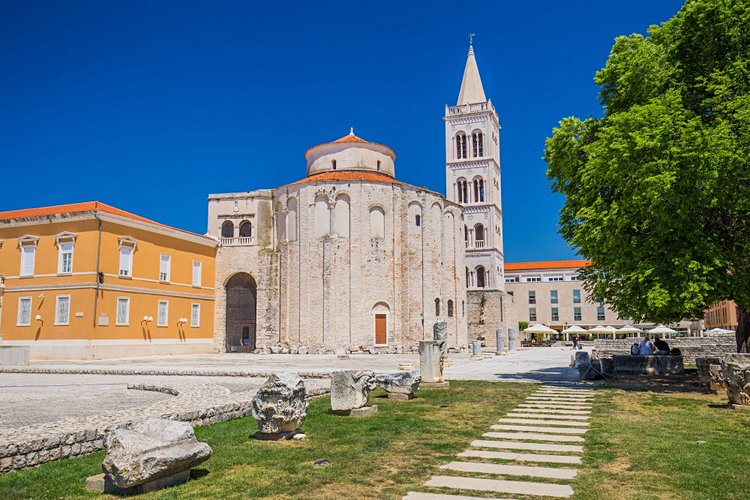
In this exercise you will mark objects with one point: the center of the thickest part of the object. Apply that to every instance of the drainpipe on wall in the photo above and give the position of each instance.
(98, 254)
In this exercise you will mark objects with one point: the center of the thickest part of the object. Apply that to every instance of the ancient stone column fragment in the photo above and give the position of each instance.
(280, 406)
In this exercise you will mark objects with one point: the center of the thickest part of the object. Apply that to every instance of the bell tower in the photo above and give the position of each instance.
(472, 174)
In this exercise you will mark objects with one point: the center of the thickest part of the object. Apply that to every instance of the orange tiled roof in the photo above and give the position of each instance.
(350, 138)
(550, 264)
(87, 206)
(348, 175)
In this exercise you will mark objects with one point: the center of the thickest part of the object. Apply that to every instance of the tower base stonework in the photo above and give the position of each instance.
(488, 310)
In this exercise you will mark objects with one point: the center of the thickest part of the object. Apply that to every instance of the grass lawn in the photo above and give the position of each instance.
(378, 457)
(643, 444)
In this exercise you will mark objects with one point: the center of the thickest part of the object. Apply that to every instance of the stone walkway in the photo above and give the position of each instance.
(540, 441)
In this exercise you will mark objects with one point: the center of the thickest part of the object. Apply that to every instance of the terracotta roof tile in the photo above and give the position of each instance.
(550, 264)
(72, 208)
(348, 175)
(350, 138)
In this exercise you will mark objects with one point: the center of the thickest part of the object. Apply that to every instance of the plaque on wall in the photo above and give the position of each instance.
(103, 319)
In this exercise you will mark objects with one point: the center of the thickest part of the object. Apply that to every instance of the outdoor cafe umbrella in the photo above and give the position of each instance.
(718, 331)
(544, 330)
(662, 330)
(601, 329)
(627, 329)
(573, 329)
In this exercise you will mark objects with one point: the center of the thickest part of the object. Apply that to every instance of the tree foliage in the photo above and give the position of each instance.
(657, 191)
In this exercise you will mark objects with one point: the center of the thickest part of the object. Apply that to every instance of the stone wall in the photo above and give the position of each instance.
(691, 347)
(486, 312)
(199, 404)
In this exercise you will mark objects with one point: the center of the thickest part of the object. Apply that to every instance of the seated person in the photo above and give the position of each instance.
(661, 346)
(647, 347)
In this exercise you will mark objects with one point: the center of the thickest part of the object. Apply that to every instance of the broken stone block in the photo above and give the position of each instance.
(702, 367)
(151, 452)
(401, 385)
(736, 371)
(350, 390)
(280, 406)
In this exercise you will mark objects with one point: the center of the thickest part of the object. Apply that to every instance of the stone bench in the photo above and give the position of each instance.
(648, 365)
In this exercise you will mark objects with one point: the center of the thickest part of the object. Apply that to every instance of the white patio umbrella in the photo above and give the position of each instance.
(538, 328)
(662, 330)
(718, 331)
(628, 329)
(599, 329)
(612, 330)
(573, 329)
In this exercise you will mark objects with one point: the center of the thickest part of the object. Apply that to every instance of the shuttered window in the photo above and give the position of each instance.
(28, 254)
(195, 315)
(24, 311)
(197, 268)
(164, 267)
(62, 310)
(162, 318)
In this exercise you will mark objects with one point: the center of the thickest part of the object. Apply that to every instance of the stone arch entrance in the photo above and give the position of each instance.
(242, 294)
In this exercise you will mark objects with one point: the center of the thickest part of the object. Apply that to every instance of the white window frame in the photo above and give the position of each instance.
(166, 313)
(532, 314)
(27, 242)
(195, 322)
(18, 318)
(579, 300)
(199, 266)
(165, 270)
(127, 311)
(62, 251)
(130, 244)
(66, 321)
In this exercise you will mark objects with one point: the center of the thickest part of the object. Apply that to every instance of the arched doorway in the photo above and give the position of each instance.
(242, 292)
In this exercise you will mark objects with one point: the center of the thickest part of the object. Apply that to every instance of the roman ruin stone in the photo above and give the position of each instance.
(150, 450)
(702, 365)
(350, 390)
(280, 406)
(400, 385)
(736, 370)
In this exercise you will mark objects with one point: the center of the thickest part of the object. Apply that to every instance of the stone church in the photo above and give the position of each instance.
(351, 257)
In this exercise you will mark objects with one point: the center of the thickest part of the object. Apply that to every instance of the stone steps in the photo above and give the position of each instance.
(549, 418)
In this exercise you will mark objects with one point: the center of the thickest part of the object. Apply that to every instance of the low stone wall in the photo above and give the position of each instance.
(648, 365)
(148, 371)
(691, 347)
(199, 404)
(12, 355)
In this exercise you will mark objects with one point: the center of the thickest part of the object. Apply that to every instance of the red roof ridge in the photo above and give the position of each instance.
(86, 206)
(550, 264)
(348, 175)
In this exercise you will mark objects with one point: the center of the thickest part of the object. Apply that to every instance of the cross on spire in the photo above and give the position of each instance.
(471, 38)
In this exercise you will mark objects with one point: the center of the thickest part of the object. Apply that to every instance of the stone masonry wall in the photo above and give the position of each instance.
(691, 347)
(487, 311)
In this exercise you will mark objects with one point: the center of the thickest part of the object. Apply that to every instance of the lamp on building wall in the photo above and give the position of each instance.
(38, 317)
(147, 319)
(181, 321)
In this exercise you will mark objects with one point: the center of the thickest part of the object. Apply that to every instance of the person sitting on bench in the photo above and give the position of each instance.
(647, 347)
(661, 345)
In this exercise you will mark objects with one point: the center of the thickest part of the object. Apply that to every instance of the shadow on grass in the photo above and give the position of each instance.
(686, 383)
(554, 375)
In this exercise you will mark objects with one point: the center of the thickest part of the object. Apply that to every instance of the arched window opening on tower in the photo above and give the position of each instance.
(227, 229)
(463, 197)
(477, 144)
(478, 190)
(437, 307)
(450, 308)
(378, 165)
(466, 235)
(480, 276)
(246, 229)
(468, 284)
(461, 146)
(479, 236)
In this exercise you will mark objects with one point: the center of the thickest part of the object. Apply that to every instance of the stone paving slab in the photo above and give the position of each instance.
(553, 406)
(555, 410)
(512, 470)
(545, 416)
(415, 495)
(521, 457)
(561, 395)
(501, 486)
(547, 390)
(538, 428)
(557, 399)
(534, 436)
(520, 445)
(539, 421)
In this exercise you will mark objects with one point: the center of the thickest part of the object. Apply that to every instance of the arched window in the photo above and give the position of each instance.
(462, 191)
(477, 143)
(378, 165)
(341, 217)
(418, 220)
(479, 235)
(450, 308)
(377, 223)
(291, 220)
(333, 164)
(478, 189)
(246, 229)
(437, 307)
(322, 217)
(227, 229)
(461, 146)
(480, 276)
(466, 235)
(468, 284)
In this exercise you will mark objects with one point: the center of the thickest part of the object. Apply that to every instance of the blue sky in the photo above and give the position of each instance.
(152, 105)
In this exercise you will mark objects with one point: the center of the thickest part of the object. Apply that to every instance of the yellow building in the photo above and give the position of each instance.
(722, 314)
(88, 280)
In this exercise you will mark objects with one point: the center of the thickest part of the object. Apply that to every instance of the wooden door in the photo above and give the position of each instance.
(381, 336)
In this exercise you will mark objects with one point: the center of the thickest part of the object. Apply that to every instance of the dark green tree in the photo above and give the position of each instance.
(657, 191)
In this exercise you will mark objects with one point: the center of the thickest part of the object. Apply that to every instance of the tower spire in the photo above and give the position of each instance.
(472, 91)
